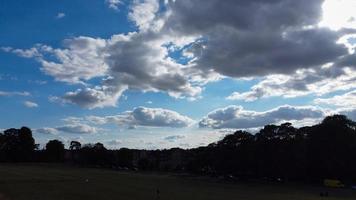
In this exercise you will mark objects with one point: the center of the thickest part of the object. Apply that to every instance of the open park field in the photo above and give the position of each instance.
(56, 182)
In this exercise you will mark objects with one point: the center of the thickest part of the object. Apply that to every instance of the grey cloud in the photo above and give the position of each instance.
(249, 54)
(174, 138)
(141, 62)
(280, 36)
(94, 97)
(200, 15)
(47, 131)
(114, 142)
(350, 113)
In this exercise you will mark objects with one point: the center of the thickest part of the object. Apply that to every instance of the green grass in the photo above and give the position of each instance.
(55, 182)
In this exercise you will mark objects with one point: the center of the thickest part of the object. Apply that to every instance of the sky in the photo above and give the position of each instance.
(154, 74)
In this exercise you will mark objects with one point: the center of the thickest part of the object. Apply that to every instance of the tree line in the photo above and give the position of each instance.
(276, 152)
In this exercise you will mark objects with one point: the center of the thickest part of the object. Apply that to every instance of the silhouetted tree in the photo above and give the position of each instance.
(94, 154)
(75, 145)
(124, 157)
(331, 148)
(276, 152)
(17, 145)
(27, 143)
(55, 151)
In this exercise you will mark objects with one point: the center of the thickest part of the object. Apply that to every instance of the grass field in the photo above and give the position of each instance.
(55, 182)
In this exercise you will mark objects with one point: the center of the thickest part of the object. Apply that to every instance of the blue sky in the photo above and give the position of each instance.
(161, 74)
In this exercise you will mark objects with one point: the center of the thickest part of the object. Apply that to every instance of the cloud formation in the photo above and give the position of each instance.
(319, 81)
(132, 61)
(77, 128)
(281, 37)
(347, 100)
(349, 112)
(174, 138)
(60, 15)
(73, 127)
(113, 4)
(145, 117)
(282, 42)
(47, 131)
(30, 104)
(13, 93)
(236, 117)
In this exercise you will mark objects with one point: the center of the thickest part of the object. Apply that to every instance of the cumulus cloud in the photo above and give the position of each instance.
(80, 60)
(236, 117)
(282, 42)
(94, 97)
(30, 104)
(147, 117)
(132, 61)
(281, 37)
(284, 45)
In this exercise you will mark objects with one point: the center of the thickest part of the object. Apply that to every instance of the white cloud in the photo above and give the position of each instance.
(113, 4)
(143, 13)
(60, 15)
(147, 117)
(339, 14)
(26, 53)
(82, 59)
(30, 104)
(325, 80)
(77, 128)
(346, 100)
(132, 61)
(236, 117)
(8, 94)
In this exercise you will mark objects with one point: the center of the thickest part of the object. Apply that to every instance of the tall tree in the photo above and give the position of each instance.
(55, 151)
